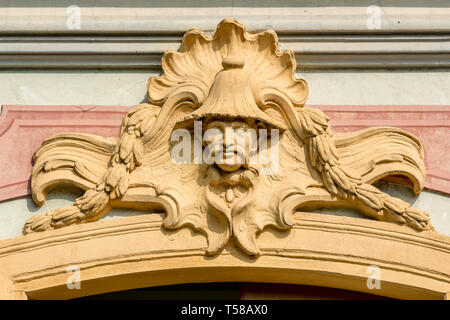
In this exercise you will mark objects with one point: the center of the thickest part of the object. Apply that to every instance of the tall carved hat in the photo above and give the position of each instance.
(228, 74)
(231, 97)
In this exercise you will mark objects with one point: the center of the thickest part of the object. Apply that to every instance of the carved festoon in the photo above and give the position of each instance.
(180, 152)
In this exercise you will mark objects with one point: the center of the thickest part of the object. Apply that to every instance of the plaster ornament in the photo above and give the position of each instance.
(232, 79)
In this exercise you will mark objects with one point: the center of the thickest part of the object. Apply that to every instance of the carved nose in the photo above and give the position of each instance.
(229, 146)
(228, 137)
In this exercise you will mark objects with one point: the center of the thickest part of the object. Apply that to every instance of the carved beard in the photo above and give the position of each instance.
(230, 186)
(228, 193)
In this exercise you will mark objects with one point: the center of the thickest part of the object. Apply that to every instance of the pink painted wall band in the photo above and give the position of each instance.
(23, 128)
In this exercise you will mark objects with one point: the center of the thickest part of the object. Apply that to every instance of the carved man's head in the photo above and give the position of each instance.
(227, 144)
(234, 128)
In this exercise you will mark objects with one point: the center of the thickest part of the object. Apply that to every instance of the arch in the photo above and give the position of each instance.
(136, 252)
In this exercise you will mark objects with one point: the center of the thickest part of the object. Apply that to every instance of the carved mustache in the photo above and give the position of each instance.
(231, 153)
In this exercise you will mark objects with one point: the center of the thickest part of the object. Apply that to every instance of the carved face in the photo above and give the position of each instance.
(230, 143)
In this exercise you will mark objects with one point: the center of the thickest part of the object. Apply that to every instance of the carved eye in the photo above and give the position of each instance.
(261, 125)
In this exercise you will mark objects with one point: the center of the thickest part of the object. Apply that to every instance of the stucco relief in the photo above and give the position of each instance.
(225, 82)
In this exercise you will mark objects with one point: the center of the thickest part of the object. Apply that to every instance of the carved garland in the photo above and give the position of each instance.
(340, 182)
(128, 154)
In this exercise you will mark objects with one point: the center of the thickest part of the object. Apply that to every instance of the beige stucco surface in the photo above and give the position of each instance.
(132, 252)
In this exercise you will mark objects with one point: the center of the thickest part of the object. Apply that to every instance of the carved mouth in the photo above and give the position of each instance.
(229, 167)
(242, 176)
(232, 161)
(231, 156)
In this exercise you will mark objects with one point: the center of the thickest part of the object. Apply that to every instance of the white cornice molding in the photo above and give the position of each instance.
(133, 35)
(175, 17)
(145, 52)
